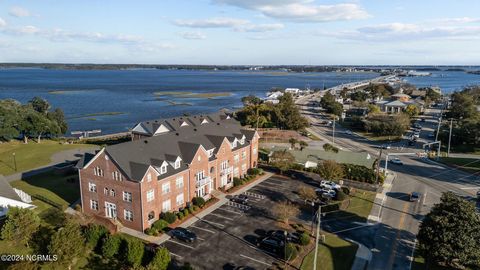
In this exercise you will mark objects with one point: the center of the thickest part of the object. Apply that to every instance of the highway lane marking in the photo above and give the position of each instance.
(413, 251)
(217, 215)
(178, 243)
(193, 226)
(250, 258)
(399, 229)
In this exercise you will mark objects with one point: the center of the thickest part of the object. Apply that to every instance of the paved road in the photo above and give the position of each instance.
(392, 240)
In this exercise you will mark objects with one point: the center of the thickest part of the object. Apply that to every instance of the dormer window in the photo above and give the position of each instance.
(242, 141)
(210, 153)
(177, 164)
(234, 144)
(163, 169)
(204, 121)
(184, 123)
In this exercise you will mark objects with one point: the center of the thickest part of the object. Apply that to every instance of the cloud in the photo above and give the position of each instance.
(405, 32)
(3, 23)
(301, 10)
(238, 25)
(19, 12)
(193, 35)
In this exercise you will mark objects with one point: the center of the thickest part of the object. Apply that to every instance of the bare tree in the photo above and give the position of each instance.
(307, 193)
(330, 170)
(285, 210)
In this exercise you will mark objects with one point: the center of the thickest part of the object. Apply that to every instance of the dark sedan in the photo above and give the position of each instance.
(183, 234)
(280, 235)
(243, 199)
(271, 244)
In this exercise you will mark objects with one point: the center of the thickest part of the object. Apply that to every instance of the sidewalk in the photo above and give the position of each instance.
(363, 256)
(376, 212)
(222, 200)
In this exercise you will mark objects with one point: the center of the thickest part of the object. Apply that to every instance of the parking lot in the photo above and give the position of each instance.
(226, 238)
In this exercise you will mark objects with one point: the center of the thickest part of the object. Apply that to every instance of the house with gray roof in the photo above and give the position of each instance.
(167, 164)
(12, 197)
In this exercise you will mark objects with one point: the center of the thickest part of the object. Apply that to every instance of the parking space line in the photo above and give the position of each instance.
(217, 215)
(214, 223)
(178, 243)
(230, 211)
(176, 255)
(193, 226)
(199, 238)
(250, 258)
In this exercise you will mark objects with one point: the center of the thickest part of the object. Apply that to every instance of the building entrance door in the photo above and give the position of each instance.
(110, 210)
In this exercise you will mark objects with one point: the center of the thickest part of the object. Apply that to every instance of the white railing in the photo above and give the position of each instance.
(23, 196)
(226, 170)
(203, 181)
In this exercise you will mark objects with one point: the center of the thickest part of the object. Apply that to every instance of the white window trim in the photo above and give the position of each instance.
(182, 201)
(166, 191)
(92, 203)
(163, 169)
(92, 187)
(177, 181)
(127, 196)
(150, 195)
(169, 204)
(128, 217)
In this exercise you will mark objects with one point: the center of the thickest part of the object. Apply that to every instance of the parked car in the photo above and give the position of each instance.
(183, 234)
(348, 132)
(329, 185)
(416, 135)
(326, 192)
(280, 235)
(411, 142)
(386, 146)
(243, 199)
(415, 196)
(396, 161)
(271, 244)
(431, 135)
(417, 126)
(423, 120)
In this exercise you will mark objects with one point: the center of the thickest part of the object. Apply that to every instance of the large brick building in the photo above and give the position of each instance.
(168, 162)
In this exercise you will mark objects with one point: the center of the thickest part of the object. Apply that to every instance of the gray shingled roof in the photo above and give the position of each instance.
(136, 156)
(6, 190)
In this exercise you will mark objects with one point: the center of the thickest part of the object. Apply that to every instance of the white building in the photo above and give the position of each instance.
(12, 197)
(292, 91)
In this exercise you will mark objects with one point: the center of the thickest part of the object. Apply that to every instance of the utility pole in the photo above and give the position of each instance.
(333, 134)
(438, 127)
(449, 137)
(316, 238)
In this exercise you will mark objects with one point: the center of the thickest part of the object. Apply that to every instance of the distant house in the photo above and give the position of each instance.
(12, 197)
(292, 91)
(397, 103)
(273, 97)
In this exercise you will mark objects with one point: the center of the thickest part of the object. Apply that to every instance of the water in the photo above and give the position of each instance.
(130, 92)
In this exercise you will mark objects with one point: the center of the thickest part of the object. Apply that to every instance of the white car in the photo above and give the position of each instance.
(324, 192)
(416, 135)
(348, 132)
(396, 161)
(329, 185)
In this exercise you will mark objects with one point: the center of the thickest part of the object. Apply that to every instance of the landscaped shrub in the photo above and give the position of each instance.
(111, 245)
(340, 196)
(180, 215)
(160, 225)
(198, 201)
(151, 231)
(330, 148)
(360, 173)
(237, 181)
(304, 239)
(191, 209)
(254, 171)
(94, 233)
(134, 250)
(160, 260)
(194, 208)
(346, 190)
(168, 217)
(290, 252)
(186, 212)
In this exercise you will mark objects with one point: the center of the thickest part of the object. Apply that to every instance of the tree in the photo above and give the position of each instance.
(307, 193)
(330, 170)
(40, 105)
(20, 225)
(94, 233)
(292, 142)
(285, 210)
(67, 243)
(282, 160)
(450, 234)
(372, 109)
(160, 260)
(111, 245)
(134, 251)
(303, 144)
(412, 110)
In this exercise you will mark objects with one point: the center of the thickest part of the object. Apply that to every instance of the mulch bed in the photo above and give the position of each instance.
(234, 189)
(209, 203)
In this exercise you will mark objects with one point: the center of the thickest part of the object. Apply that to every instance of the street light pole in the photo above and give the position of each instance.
(449, 137)
(333, 134)
(14, 161)
(286, 259)
(316, 237)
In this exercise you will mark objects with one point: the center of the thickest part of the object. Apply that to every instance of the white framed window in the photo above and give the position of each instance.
(166, 188)
(127, 196)
(242, 141)
(166, 206)
(128, 215)
(244, 154)
(210, 153)
(200, 175)
(112, 192)
(224, 165)
(199, 158)
(117, 176)
(177, 164)
(179, 182)
(244, 167)
(92, 187)
(163, 169)
(234, 144)
(94, 205)
(236, 157)
(180, 200)
(97, 171)
(254, 150)
(105, 191)
(149, 177)
(150, 195)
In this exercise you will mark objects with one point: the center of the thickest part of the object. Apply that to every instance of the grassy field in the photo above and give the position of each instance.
(467, 164)
(31, 155)
(361, 204)
(334, 254)
(51, 186)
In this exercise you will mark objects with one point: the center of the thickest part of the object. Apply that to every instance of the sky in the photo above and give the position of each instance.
(242, 32)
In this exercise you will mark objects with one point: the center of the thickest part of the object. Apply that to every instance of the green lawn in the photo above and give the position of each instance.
(467, 164)
(52, 186)
(334, 254)
(359, 208)
(31, 155)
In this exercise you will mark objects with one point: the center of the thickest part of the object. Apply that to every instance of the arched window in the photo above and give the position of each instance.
(112, 192)
(151, 215)
(212, 169)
